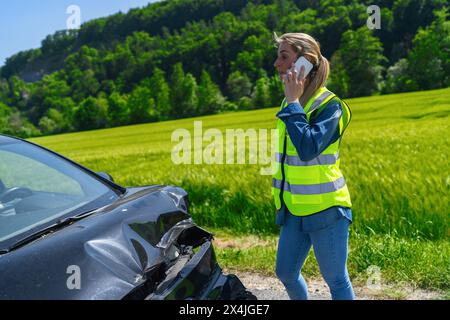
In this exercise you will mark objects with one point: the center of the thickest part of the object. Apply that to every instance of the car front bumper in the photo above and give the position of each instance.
(200, 278)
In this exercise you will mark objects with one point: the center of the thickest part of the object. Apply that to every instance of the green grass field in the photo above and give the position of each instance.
(394, 155)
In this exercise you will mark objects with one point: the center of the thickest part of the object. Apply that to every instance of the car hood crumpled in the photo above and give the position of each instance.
(104, 256)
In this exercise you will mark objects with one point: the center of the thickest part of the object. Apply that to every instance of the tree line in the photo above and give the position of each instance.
(184, 58)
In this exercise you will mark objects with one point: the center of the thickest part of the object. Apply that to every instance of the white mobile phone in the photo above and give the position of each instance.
(305, 63)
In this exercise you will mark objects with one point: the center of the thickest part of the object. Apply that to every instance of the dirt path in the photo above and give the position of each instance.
(270, 288)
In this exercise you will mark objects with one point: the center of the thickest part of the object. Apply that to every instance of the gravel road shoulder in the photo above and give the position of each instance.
(270, 288)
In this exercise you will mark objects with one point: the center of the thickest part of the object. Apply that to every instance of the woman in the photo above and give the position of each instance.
(311, 196)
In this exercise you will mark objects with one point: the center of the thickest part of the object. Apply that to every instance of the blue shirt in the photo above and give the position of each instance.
(310, 139)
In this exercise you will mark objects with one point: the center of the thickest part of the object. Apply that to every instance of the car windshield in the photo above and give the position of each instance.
(38, 188)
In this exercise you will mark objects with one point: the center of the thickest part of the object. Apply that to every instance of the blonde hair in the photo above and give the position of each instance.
(305, 45)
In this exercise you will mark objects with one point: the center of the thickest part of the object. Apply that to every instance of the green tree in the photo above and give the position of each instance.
(19, 126)
(429, 60)
(276, 91)
(252, 58)
(67, 108)
(86, 58)
(50, 93)
(5, 112)
(52, 122)
(108, 87)
(333, 19)
(184, 93)
(83, 84)
(305, 20)
(4, 90)
(408, 16)
(176, 85)
(58, 43)
(20, 92)
(245, 103)
(238, 85)
(210, 99)
(261, 97)
(160, 93)
(118, 113)
(47, 125)
(338, 81)
(398, 79)
(189, 107)
(142, 105)
(362, 55)
(91, 114)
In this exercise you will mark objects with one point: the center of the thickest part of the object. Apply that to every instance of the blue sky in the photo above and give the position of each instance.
(25, 23)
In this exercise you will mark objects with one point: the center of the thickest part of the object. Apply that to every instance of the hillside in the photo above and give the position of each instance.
(184, 58)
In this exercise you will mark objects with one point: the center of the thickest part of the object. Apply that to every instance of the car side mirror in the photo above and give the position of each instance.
(106, 176)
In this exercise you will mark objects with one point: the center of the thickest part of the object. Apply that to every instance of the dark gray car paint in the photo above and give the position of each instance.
(113, 249)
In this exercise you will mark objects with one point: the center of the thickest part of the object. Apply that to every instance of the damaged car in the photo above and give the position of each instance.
(67, 232)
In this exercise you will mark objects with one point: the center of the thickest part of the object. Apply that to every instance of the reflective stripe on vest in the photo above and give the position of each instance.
(319, 101)
(296, 161)
(310, 188)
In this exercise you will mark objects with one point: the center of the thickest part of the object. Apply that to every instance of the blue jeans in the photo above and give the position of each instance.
(327, 232)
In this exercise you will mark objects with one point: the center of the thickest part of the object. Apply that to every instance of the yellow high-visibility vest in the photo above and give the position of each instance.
(311, 186)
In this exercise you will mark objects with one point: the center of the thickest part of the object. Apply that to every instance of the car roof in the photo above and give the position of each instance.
(7, 139)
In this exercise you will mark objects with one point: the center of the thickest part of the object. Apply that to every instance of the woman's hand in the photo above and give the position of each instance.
(294, 84)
